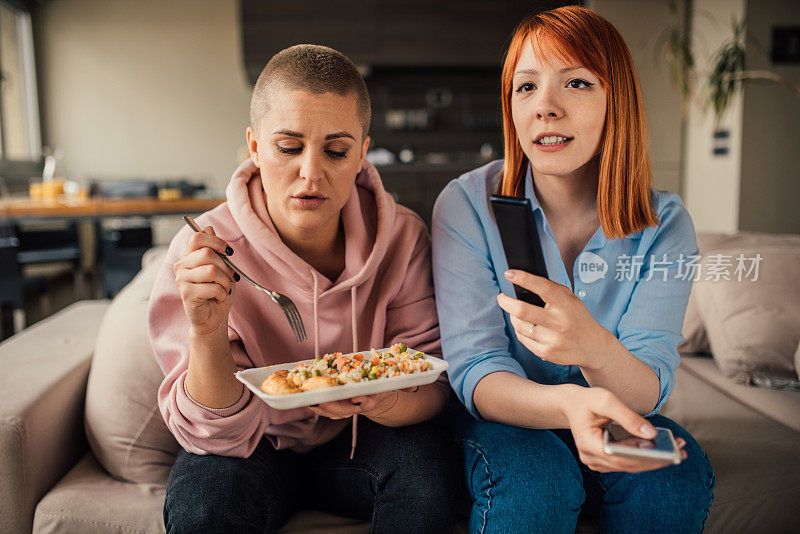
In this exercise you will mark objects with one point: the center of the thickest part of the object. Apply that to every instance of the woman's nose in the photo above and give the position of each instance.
(548, 106)
(311, 168)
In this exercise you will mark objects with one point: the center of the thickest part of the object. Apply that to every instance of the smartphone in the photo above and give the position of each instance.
(520, 240)
(662, 449)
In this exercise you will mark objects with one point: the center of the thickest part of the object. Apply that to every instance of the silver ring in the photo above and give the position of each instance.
(530, 331)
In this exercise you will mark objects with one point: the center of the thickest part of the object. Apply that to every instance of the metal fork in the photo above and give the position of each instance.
(286, 304)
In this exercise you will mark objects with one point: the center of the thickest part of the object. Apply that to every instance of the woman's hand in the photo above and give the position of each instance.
(563, 332)
(366, 405)
(363, 405)
(205, 283)
(588, 410)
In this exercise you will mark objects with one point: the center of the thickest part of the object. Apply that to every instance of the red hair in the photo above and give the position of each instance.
(573, 33)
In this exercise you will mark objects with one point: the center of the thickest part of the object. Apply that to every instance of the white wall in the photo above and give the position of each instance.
(144, 88)
(640, 22)
(712, 183)
(770, 192)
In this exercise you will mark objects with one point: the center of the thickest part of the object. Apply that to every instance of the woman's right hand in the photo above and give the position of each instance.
(588, 410)
(206, 283)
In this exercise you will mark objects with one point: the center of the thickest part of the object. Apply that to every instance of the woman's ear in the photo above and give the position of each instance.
(252, 145)
(364, 148)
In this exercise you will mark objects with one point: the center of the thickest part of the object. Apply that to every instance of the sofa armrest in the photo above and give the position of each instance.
(43, 372)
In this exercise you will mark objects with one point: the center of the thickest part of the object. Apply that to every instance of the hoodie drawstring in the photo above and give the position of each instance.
(316, 316)
(354, 328)
(353, 317)
(355, 349)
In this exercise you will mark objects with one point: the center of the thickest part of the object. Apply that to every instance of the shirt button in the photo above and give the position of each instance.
(581, 293)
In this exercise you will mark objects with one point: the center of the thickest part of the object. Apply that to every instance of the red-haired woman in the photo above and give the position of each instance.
(541, 383)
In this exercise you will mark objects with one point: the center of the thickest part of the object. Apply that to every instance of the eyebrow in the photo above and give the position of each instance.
(534, 71)
(328, 137)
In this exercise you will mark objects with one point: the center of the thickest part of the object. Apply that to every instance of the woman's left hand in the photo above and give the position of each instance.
(563, 332)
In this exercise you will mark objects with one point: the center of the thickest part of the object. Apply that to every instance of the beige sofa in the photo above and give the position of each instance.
(79, 422)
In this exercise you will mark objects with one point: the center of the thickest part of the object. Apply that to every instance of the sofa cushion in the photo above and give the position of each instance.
(782, 406)
(695, 339)
(752, 322)
(753, 456)
(797, 360)
(707, 241)
(694, 332)
(88, 501)
(123, 423)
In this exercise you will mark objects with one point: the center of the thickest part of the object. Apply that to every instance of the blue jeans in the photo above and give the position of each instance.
(403, 479)
(524, 480)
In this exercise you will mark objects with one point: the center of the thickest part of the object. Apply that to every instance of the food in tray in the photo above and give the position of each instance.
(338, 369)
(277, 384)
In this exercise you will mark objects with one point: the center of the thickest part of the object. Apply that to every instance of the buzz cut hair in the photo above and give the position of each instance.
(314, 68)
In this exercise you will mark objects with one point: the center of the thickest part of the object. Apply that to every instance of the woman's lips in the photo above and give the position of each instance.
(308, 202)
(552, 148)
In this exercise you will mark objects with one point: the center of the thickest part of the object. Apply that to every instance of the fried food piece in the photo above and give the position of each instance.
(319, 382)
(296, 380)
(278, 384)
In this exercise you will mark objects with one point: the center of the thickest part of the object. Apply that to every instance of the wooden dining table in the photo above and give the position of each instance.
(23, 208)
(20, 216)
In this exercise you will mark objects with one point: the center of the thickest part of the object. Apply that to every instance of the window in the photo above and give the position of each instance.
(20, 141)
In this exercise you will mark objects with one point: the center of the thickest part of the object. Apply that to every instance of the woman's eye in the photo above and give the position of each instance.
(585, 83)
(525, 87)
(284, 150)
(336, 155)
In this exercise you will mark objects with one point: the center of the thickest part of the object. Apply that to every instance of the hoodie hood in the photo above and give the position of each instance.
(367, 225)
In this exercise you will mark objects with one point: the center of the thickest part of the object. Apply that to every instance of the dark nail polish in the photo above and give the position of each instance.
(229, 251)
(356, 404)
(229, 292)
(236, 277)
(315, 405)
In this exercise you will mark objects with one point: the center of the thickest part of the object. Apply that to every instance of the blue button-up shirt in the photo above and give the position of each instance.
(636, 287)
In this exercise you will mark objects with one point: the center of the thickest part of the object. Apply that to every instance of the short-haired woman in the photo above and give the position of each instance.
(540, 383)
(305, 216)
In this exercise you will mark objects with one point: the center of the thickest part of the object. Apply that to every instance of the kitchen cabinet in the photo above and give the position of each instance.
(385, 33)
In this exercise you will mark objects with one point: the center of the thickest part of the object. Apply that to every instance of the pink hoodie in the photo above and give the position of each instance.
(384, 296)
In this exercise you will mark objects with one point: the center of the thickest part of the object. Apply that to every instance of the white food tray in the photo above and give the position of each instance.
(253, 378)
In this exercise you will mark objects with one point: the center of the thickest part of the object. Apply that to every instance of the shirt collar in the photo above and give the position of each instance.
(598, 240)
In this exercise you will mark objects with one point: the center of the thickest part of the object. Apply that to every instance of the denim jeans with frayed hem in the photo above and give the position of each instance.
(531, 481)
(402, 480)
